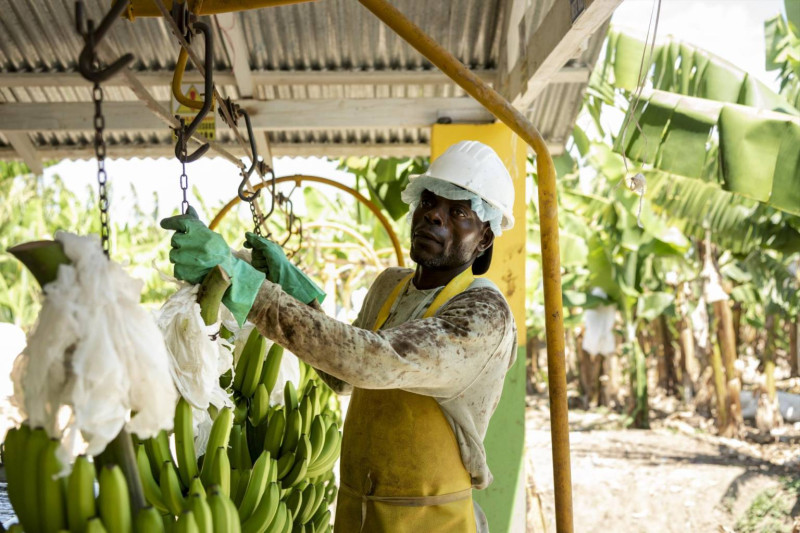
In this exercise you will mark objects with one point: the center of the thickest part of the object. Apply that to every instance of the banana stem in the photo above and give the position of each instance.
(212, 289)
(126, 459)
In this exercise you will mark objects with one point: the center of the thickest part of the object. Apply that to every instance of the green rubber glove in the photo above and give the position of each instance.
(269, 258)
(196, 250)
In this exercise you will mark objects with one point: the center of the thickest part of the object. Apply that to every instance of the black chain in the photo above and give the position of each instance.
(184, 179)
(100, 154)
(256, 218)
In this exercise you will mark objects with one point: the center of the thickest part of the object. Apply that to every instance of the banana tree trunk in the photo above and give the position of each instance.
(640, 414)
(769, 357)
(794, 349)
(726, 339)
(720, 389)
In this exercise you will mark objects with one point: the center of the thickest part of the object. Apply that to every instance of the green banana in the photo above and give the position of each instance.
(297, 473)
(240, 411)
(259, 405)
(219, 512)
(280, 520)
(171, 489)
(234, 450)
(218, 438)
(330, 452)
(245, 460)
(161, 448)
(152, 492)
(254, 367)
(113, 501)
(95, 525)
(264, 511)
(290, 396)
(197, 488)
(306, 410)
(238, 490)
(285, 464)
(272, 365)
(316, 437)
(251, 361)
(184, 442)
(202, 514)
(293, 503)
(148, 520)
(186, 523)
(275, 431)
(294, 427)
(255, 486)
(323, 521)
(14, 450)
(221, 472)
(233, 517)
(80, 488)
(309, 500)
(30, 517)
(51, 489)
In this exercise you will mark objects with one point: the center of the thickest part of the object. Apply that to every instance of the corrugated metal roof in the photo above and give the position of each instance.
(38, 36)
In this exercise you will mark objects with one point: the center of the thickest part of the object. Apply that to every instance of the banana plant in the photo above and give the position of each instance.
(782, 34)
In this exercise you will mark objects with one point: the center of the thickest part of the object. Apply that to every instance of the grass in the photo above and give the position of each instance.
(771, 511)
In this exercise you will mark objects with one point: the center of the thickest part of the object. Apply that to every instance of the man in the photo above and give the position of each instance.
(425, 360)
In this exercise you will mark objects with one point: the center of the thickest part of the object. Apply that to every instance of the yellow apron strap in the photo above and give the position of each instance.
(456, 286)
(383, 314)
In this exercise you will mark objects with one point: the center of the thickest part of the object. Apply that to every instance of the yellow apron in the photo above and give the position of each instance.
(401, 465)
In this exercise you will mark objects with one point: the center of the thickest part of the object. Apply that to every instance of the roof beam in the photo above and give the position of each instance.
(230, 26)
(259, 77)
(274, 115)
(279, 150)
(25, 150)
(545, 51)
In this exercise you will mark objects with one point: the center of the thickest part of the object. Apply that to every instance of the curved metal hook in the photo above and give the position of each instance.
(185, 133)
(241, 192)
(87, 60)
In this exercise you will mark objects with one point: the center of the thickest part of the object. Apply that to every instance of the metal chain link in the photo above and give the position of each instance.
(184, 180)
(100, 154)
(256, 219)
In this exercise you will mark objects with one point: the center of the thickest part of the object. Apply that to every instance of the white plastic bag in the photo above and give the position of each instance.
(598, 337)
(94, 356)
(196, 361)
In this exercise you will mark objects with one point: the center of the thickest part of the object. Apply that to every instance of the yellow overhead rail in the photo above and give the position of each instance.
(148, 8)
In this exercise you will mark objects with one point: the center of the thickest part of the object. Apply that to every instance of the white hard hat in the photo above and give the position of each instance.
(477, 168)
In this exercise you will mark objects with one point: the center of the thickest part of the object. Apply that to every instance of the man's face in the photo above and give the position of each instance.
(446, 234)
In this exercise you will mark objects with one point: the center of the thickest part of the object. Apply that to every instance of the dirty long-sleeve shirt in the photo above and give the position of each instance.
(459, 356)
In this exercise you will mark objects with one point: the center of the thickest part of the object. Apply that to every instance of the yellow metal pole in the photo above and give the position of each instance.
(548, 221)
(298, 179)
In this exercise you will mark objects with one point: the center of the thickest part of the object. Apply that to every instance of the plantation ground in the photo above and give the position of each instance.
(676, 477)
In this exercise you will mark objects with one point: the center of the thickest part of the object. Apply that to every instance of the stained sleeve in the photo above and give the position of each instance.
(438, 356)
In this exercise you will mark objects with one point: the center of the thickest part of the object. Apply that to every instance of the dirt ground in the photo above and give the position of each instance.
(675, 477)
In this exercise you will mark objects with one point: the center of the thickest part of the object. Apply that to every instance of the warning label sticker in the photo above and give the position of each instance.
(208, 127)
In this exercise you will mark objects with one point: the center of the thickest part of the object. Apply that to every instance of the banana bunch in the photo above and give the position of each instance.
(301, 438)
(46, 503)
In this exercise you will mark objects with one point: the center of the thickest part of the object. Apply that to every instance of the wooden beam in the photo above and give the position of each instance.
(545, 51)
(332, 150)
(263, 77)
(230, 27)
(274, 115)
(26, 151)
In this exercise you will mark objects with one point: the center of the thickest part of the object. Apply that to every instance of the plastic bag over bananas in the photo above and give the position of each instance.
(95, 354)
(196, 361)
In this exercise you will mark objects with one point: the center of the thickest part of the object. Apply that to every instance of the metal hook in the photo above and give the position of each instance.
(185, 133)
(87, 60)
(247, 173)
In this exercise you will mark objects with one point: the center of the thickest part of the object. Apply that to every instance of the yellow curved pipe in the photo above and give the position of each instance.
(177, 80)
(298, 179)
(548, 222)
